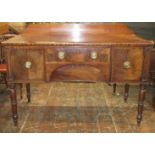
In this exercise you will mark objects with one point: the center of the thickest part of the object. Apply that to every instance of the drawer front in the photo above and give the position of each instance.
(127, 64)
(76, 63)
(77, 54)
(27, 64)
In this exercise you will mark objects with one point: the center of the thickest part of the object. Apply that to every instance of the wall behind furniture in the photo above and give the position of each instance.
(143, 29)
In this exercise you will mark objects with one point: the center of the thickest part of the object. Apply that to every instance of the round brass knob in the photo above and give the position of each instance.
(28, 64)
(61, 55)
(127, 65)
(94, 55)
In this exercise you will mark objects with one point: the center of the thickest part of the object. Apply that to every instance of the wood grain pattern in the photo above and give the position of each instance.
(77, 73)
(79, 34)
(20, 56)
(134, 56)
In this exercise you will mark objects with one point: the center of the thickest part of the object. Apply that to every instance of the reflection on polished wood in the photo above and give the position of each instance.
(78, 33)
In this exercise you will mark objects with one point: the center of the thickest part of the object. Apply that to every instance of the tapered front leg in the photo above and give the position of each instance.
(5, 80)
(28, 91)
(21, 90)
(142, 92)
(126, 92)
(114, 89)
(12, 89)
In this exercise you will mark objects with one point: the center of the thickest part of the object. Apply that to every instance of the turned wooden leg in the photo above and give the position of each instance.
(28, 92)
(21, 90)
(5, 80)
(114, 88)
(12, 88)
(126, 92)
(142, 92)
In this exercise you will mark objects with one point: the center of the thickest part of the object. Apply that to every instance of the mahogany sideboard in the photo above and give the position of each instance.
(111, 53)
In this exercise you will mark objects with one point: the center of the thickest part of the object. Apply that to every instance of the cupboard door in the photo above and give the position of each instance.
(127, 64)
(27, 64)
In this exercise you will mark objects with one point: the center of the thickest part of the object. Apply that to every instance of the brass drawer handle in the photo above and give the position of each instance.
(28, 64)
(127, 65)
(61, 55)
(94, 55)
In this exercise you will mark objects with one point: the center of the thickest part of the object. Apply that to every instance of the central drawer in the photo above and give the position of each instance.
(77, 54)
(74, 63)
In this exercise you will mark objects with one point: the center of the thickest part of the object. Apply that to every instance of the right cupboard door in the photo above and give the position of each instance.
(127, 64)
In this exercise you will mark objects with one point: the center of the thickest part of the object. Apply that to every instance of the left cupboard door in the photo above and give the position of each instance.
(27, 64)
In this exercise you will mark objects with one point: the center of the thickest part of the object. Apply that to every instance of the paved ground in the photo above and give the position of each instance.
(76, 107)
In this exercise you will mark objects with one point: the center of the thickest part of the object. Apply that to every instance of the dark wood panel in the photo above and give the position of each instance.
(18, 59)
(37, 59)
(77, 73)
(132, 55)
(21, 56)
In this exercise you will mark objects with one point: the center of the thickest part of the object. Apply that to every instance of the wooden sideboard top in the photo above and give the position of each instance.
(78, 34)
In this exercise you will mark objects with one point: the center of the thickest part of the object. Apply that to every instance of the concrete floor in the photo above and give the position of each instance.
(76, 107)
